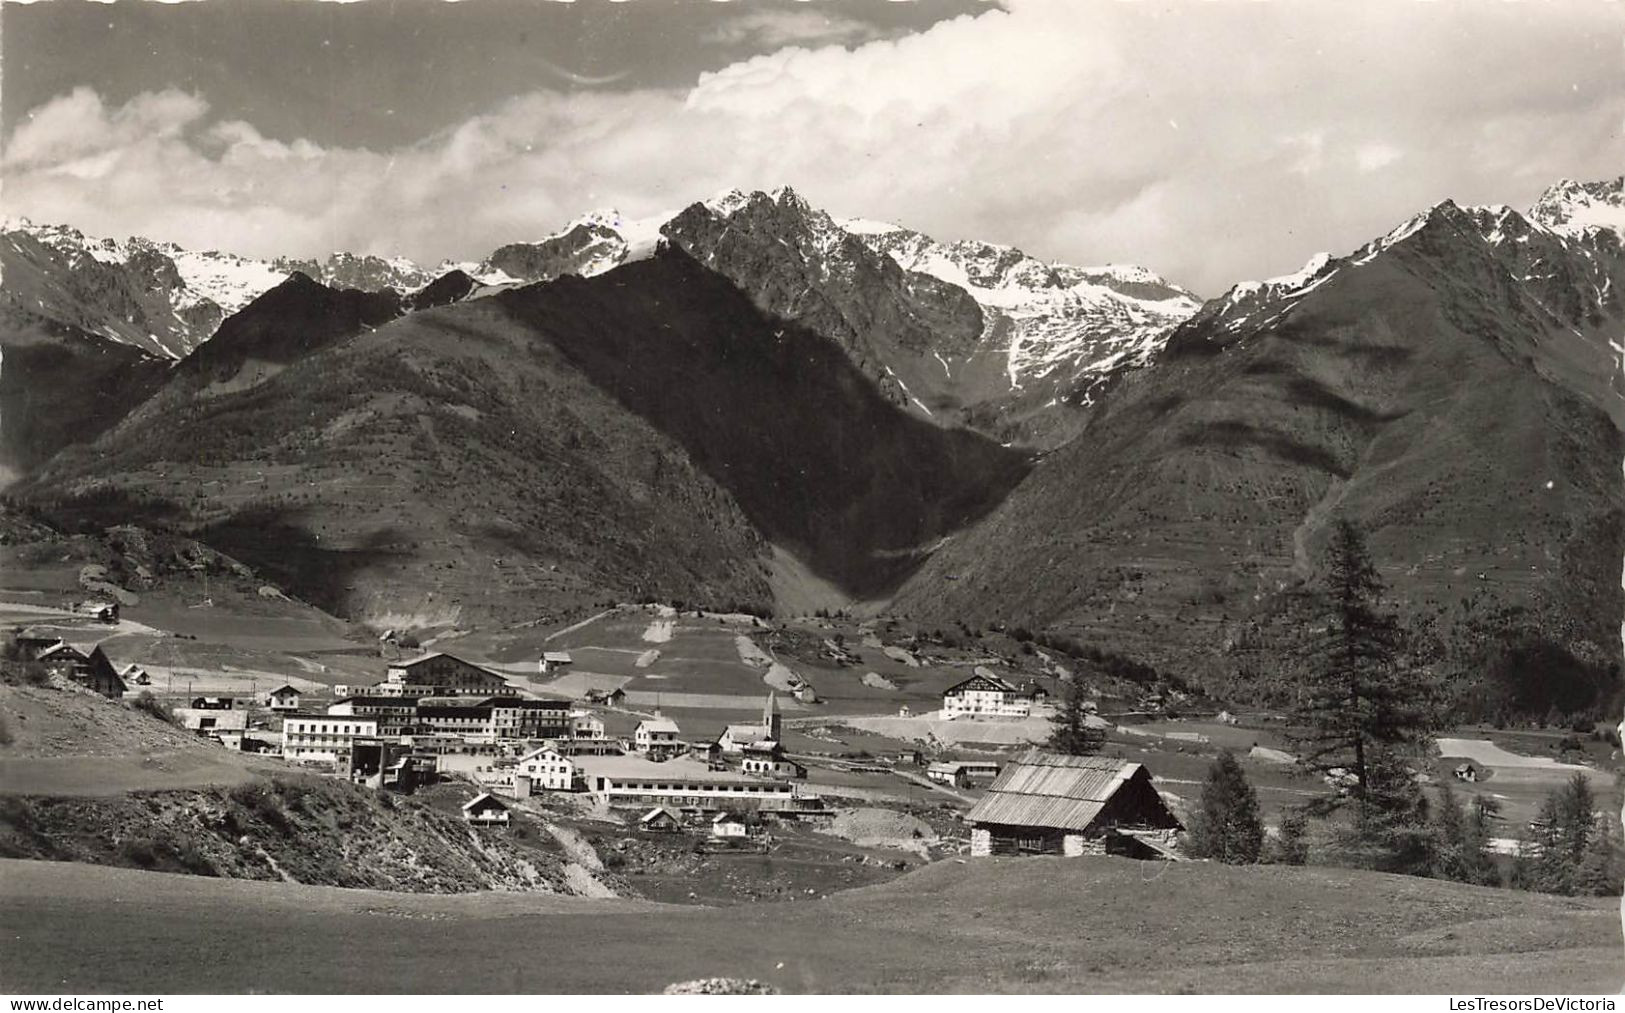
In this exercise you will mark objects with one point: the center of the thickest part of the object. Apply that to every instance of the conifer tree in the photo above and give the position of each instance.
(1357, 702)
(1599, 873)
(1070, 730)
(1227, 827)
(1450, 845)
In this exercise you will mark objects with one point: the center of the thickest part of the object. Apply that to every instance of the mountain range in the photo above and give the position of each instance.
(751, 402)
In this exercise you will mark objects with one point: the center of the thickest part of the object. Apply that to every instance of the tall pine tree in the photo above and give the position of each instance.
(1358, 702)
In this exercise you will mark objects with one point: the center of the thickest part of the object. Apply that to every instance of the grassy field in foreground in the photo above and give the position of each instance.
(1009, 925)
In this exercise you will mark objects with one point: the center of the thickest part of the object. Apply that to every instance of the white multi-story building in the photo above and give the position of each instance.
(324, 737)
(633, 780)
(656, 736)
(586, 725)
(548, 771)
(985, 695)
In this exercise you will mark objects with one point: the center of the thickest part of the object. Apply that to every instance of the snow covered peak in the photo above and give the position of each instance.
(1574, 208)
(728, 203)
(1049, 319)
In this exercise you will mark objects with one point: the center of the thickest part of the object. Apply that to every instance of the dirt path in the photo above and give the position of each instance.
(581, 625)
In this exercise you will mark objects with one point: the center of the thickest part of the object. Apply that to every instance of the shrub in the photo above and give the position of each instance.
(141, 851)
(146, 703)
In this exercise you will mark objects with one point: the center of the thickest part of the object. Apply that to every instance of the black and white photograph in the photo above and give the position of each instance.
(783, 497)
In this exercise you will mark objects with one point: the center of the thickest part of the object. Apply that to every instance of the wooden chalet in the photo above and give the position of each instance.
(485, 810)
(660, 820)
(1053, 804)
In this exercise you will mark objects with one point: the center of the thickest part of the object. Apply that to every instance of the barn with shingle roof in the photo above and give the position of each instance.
(1053, 804)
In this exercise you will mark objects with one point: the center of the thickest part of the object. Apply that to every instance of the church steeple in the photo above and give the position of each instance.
(771, 719)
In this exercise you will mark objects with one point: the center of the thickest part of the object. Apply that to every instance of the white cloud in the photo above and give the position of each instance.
(1050, 126)
(763, 28)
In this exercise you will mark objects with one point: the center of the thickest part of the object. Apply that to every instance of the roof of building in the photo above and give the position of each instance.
(420, 659)
(656, 813)
(624, 767)
(484, 800)
(284, 691)
(397, 702)
(659, 725)
(747, 733)
(1052, 790)
(525, 703)
(559, 657)
(946, 767)
(726, 817)
(987, 677)
(430, 656)
(546, 751)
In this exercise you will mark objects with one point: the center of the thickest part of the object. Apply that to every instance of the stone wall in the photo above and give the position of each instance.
(981, 842)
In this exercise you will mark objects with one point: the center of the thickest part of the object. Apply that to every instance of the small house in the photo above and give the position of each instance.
(610, 697)
(135, 675)
(98, 674)
(586, 725)
(1468, 772)
(949, 773)
(212, 703)
(283, 698)
(484, 810)
(656, 736)
(102, 611)
(727, 825)
(660, 820)
(1054, 804)
(33, 642)
(554, 662)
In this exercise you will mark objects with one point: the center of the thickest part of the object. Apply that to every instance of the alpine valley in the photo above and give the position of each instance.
(751, 404)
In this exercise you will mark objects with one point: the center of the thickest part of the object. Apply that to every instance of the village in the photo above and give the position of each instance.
(563, 734)
(439, 718)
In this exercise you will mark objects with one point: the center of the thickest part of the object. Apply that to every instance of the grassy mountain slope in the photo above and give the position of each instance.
(1402, 392)
(447, 463)
(638, 433)
(60, 386)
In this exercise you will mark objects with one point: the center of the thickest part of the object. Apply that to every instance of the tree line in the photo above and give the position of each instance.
(1365, 712)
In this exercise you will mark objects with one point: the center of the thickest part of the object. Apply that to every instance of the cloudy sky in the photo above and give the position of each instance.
(1212, 142)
